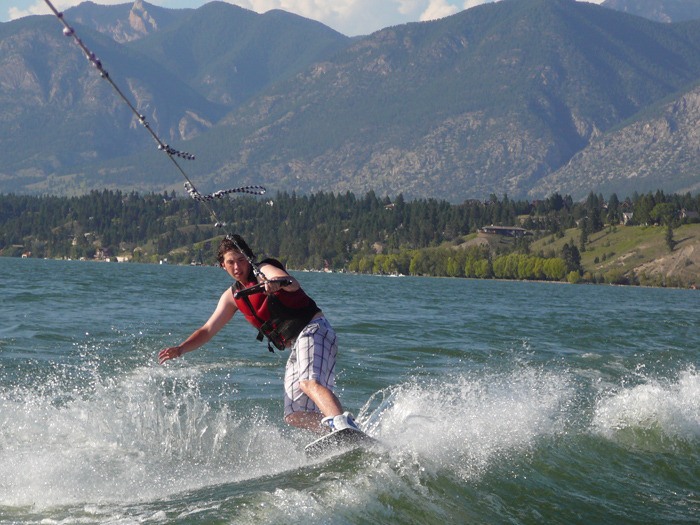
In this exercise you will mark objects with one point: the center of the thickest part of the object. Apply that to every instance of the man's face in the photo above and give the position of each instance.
(236, 265)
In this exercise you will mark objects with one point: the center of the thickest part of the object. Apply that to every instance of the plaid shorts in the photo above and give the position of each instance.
(311, 357)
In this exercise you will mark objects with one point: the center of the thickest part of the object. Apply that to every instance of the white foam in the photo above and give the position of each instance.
(463, 422)
(671, 407)
(143, 436)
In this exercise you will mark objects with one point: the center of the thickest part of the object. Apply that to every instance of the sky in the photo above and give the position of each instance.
(349, 17)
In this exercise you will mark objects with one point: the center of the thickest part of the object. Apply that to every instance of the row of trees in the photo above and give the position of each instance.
(474, 262)
(363, 234)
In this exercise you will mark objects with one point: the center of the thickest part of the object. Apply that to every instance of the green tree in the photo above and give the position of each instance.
(614, 212)
(585, 228)
(663, 213)
(670, 243)
(571, 257)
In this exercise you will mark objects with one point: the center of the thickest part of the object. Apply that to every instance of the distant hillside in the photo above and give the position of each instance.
(58, 115)
(659, 10)
(62, 124)
(487, 101)
(230, 54)
(497, 99)
(661, 144)
(636, 254)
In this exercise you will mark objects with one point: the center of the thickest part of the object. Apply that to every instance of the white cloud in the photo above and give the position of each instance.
(473, 3)
(38, 8)
(438, 9)
(407, 7)
(355, 17)
(351, 17)
(315, 9)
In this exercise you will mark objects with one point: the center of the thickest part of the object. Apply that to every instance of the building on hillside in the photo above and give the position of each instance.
(689, 214)
(505, 231)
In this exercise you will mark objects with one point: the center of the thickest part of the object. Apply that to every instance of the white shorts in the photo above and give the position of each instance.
(312, 357)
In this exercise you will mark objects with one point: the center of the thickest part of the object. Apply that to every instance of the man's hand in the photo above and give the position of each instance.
(169, 353)
(275, 285)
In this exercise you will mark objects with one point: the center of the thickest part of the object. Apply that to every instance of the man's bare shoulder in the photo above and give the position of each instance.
(227, 297)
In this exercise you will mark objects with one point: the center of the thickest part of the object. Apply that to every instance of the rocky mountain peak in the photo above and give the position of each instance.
(139, 19)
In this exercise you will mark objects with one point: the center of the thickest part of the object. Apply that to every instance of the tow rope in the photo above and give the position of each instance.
(173, 154)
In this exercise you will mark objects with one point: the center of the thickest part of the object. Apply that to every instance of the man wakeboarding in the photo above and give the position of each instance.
(284, 314)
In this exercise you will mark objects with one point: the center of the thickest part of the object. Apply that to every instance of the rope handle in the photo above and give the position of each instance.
(258, 288)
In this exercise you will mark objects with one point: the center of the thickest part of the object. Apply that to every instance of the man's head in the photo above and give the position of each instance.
(233, 243)
(236, 258)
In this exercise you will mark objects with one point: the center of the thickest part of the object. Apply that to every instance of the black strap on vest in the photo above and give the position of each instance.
(260, 335)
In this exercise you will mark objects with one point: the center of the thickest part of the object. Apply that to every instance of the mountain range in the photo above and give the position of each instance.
(518, 97)
(664, 11)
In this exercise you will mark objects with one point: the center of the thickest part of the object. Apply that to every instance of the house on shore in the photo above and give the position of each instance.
(505, 231)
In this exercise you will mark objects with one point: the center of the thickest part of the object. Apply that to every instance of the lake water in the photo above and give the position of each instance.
(498, 402)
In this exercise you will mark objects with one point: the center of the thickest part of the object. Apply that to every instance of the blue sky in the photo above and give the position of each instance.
(350, 17)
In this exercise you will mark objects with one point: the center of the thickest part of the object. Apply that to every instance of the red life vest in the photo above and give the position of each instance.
(279, 317)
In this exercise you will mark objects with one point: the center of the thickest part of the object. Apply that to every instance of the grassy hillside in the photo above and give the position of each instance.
(635, 254)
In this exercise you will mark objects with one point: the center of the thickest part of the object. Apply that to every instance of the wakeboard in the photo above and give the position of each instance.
(339, 441)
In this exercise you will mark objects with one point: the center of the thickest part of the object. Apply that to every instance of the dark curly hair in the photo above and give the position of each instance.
(233, 243)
